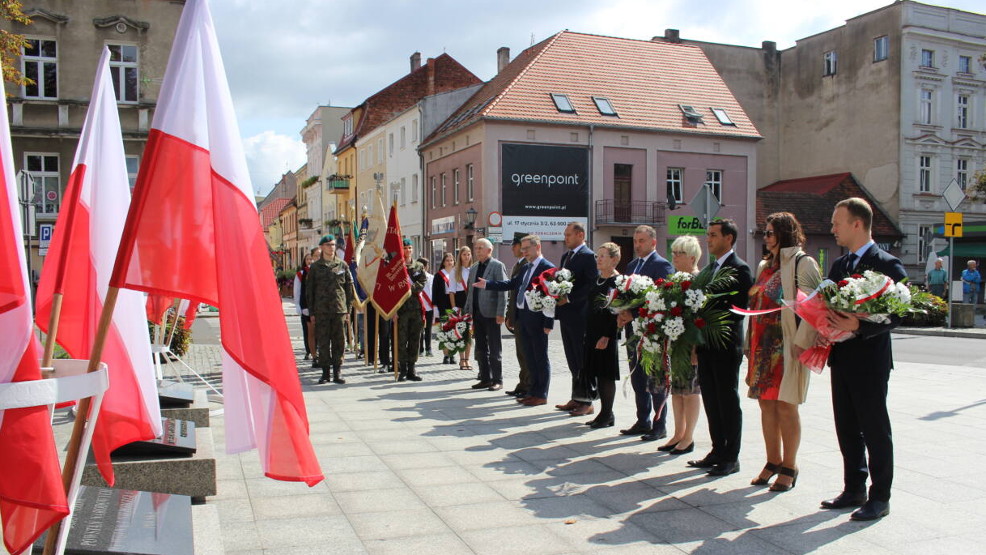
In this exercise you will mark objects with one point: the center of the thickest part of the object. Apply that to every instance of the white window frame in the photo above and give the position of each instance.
(390, 145)
(881, 48)
(119, 70)
(926, 106)
(470, 183)
(444, 181)
(380, 150)
(830, 63)
(347, 126)
(456, 181)
(414, 188)
(922, 245)
(962, 111)
(674, 183)
(132, 175)
(927, 58)
(714, 178)
(962, 172)
(45, 181)
(925, 174)
(403, 191)
(965, 64)
(403, 137)
(414, 131)
(29, 57)
(434, 192)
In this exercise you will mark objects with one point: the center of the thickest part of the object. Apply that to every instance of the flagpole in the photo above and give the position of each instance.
(78, 429)
(397, 361)
(376, 339)
(56, 314)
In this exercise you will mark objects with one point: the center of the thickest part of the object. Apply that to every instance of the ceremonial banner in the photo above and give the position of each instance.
(194, 228)
(80, 261)
(372, 252)
(393, 285)
(32, 497)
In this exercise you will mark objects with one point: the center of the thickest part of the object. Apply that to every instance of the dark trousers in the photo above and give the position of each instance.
(524, 377)
(862, 424)
(426, 332)
(304, 332)
(536, 351)
(381, 347)
(488, 352)
(718, 376)
(573, 339)
(647, 401)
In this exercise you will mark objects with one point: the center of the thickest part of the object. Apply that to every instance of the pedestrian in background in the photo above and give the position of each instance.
(429, 308)
(937, 278)
(970, 282)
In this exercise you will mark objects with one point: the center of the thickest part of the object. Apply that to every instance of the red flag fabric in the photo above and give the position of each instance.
(196, 231)
(157, 305)
(31, 494)
(393, 285)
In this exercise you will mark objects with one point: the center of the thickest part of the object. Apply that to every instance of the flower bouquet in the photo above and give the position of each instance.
(549, 290)
(628, 292)
(870, 296)
(453, 328)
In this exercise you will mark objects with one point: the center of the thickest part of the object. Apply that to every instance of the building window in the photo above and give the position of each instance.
(414, 188)
(831, 60)
(924, 174)
(390, 145)
(714, 179)
(403, 137)
(123, 69)
(444, 191)
(39, 63)
(455, 186)
(928, 58)
(881, 48)
(403, 191)
(347, 127)
(924, 234)
(563, 103)
(962, 111)
(434, 192)
(604, 106)
(926, 106)
(380, 150)
(393, 193)
(722, 116)
(965, 64)
(962, 172)
(470, 184)
(414, 131)
(133, 164)
(43, 169)
(674, 184)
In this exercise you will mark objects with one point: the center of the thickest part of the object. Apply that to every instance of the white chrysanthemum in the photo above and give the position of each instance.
(564, 274)
(673, 328)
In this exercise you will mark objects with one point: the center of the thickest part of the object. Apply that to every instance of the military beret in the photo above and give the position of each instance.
(327, 238)
(517, 237)
(407, 242)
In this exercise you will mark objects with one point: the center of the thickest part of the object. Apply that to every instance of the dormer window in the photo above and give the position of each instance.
(604, 106)
(563, 103)
(690, 113)
(722, 116)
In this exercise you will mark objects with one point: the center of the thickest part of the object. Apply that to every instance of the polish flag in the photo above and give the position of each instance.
(372, 252)
(393, 285)
(32, 497)
(83, 248)
(194, 227)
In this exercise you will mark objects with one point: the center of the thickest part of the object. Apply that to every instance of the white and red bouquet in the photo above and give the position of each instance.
(549, 290)
(628, 292)
(870, 296)
(453, 330)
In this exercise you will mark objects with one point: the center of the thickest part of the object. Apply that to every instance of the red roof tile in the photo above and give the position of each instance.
(269, 213)
(644, 80)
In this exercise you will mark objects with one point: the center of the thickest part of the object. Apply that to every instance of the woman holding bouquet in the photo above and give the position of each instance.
(440, 294)
(601, 360)
(777, 379)
(457, 290)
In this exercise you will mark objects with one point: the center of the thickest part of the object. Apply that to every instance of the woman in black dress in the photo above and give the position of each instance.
(439, 292)
(602, 362)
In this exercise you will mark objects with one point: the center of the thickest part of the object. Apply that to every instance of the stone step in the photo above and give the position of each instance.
(198, 412)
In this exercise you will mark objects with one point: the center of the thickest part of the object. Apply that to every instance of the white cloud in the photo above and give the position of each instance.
(269, 155)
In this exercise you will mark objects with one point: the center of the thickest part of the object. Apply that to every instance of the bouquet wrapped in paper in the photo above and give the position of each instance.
(549, 290)
(870, 296)
(453, 329)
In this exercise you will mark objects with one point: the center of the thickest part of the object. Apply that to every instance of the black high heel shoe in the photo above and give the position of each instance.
(769, 467)
(677, 451)
(668, 446)
(785, 471)
(603, 423)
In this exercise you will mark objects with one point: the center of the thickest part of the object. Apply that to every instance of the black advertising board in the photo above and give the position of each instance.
(543, 188)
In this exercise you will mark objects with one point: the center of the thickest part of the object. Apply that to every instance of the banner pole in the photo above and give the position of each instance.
(376, 339)
(56, 314)
(397, 361)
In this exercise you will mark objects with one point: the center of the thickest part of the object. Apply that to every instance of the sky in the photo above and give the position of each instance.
(285, 58)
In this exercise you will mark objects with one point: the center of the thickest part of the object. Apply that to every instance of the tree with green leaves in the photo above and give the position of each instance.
(12, 43)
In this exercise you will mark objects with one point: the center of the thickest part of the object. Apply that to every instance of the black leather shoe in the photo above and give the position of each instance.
(682, 451)
(602, 422)
(708, 462)
(724, 469)
(482, 385)
(637, 429)
(653, 436)
(871, 510)
(845, 500)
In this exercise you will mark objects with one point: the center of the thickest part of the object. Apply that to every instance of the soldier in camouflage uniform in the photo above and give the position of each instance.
(329, 288)
(410, 319)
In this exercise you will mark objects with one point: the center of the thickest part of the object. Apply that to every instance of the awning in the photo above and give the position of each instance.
(967, 250)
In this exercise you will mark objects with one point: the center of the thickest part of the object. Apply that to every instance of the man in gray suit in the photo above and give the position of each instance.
(488, 310)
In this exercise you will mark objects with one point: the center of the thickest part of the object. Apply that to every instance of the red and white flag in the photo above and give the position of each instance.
(83, 248)
(393, 286)
(194, 226)
(371, 254)
(32, 497)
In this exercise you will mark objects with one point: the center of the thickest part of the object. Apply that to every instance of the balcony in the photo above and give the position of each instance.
(611, 212)
(337, 184)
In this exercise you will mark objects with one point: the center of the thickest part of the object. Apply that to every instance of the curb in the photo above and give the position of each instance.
(943, 332)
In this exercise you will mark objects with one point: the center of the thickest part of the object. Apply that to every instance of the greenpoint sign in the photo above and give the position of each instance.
(685, 225)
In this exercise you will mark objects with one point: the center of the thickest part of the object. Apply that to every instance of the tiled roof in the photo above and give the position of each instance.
(441, 74)
(812, 199)
(644, 80)
(269, 213)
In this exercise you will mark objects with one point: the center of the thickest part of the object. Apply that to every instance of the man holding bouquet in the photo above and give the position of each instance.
(861, 371)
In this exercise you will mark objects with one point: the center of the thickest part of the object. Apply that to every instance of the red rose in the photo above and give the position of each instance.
(642, 312)
(685, 285)
(856, 276)
(660, 281)
(668, 285)
(699, 323)
(843, 283)
(651, 328)
(676, 311)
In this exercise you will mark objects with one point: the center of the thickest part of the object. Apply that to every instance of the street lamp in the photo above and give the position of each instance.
(471, 218)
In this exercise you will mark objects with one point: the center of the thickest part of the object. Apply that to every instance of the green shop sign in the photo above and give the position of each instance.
(685, 225)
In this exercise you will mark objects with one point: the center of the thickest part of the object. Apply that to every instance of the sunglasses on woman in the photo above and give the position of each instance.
(769, 233)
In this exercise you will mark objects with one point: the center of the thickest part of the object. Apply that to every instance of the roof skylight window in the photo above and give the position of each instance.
(691, 113)
(604, 106)
(722, 116)
(563, 103)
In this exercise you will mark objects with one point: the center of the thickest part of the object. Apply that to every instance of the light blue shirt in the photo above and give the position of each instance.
(861, 251)
(970, 281)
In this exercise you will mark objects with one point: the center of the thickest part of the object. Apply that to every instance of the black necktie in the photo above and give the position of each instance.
(851, 262)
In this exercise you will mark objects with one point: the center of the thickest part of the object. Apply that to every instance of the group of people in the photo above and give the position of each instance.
(937, 281)
(590, 332)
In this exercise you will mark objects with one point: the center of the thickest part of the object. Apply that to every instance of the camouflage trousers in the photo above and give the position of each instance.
(330, 339)
(409, 329)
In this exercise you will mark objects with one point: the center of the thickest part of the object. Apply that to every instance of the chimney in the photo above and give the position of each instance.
(415, 61)
(672, 35)
(431, 76)
(769, 46)
(502, 58)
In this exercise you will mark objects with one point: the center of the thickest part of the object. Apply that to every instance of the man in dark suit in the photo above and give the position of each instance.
(488, 309)
(534, 326)
(581, 261)
(861, 372)
(718, 368)
(523, 379)
(647, 263)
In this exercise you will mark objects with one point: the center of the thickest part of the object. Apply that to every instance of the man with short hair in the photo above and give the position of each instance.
(718, 367)
(571, 313)
(861, 369)
(329, 289)
(523, 379)
(534, 325)
(937, 279)
(970, 283)
(651, 264)
(409, 319)
(488, 309)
